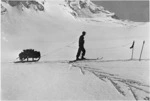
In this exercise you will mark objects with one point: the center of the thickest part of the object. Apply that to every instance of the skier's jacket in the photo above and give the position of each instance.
(81, 41)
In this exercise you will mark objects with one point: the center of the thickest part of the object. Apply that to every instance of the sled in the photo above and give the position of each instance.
(26, 54)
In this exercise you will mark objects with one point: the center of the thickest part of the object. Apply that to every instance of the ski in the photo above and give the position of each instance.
(72, 61)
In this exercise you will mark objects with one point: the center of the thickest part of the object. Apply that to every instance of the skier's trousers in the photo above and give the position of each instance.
(81, 49)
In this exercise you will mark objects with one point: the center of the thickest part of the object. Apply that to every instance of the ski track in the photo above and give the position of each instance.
(119, 83)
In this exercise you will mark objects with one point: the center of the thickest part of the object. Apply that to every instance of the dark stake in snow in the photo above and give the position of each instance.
(132, 47)
(141, 51)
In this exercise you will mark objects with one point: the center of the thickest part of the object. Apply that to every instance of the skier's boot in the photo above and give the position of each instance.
(77, 58)
(83, 58)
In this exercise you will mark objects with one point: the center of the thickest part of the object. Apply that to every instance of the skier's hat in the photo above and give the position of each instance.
(83, 33)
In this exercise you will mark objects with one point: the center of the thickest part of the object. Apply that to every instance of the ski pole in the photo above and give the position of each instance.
(132, 53)
(141, 51)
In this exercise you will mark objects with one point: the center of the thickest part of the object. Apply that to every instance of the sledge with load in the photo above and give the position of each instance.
(29, 55)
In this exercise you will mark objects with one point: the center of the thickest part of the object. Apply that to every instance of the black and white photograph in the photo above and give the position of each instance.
(75, 50)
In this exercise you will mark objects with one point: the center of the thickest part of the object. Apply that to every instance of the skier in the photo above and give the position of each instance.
(81, 47)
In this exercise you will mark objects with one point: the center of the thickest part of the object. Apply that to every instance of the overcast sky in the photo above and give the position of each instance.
(132, 10)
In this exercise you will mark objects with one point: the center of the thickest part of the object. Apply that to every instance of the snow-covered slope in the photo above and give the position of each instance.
(116, 80)
(55, 28)
(54, 31)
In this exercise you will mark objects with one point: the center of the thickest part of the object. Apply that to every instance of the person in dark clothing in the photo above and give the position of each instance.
(81, 47)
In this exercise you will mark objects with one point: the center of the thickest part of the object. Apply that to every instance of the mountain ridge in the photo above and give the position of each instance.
(80, 8)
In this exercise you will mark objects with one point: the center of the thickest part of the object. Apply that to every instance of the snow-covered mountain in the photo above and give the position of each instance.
(85, 8)
(77, 8)
(53, 27)
(80, 8)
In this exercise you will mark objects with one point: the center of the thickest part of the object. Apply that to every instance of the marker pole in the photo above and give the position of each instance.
(132, 53)
(132, 47)
(141, 51)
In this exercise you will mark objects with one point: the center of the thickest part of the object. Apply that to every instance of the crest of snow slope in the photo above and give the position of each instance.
(55, 32)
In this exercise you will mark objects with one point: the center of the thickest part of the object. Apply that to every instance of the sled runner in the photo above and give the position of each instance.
(26, 61)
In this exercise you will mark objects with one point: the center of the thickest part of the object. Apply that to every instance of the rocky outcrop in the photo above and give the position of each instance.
(3, 10)
(26, 4)
(87, 9)
(115, 17)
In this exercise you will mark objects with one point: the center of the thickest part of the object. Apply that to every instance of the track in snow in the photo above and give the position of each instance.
(123, 86)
